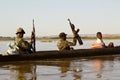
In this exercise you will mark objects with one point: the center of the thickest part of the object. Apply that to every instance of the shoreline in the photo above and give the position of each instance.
(50, 39)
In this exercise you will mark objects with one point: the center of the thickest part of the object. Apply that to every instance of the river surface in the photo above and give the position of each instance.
(90, 68)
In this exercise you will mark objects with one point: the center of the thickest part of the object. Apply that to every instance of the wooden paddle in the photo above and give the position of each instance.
(33, 40)
(75, 32)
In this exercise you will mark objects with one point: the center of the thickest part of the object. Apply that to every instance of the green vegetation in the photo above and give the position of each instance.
(50, 39)
(6, 38)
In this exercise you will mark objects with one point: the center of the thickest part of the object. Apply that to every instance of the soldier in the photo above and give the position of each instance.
(63, 44)
(24, 46)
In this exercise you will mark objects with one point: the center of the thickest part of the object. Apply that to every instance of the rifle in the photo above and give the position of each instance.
(33, 40)
(75, 32)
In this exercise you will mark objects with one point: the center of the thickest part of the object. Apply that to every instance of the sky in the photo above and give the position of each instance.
(50, 16)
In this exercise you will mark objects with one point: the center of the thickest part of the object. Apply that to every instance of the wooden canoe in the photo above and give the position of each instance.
(40, 55)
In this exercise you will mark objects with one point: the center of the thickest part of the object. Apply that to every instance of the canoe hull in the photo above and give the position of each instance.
(40, 55)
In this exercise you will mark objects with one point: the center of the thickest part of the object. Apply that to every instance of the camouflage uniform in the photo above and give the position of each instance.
(64, 44)
(24, 46)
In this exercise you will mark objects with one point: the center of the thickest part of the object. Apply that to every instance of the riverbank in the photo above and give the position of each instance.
(50, 39)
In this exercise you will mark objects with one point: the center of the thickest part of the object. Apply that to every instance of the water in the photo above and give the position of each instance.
(91, 68)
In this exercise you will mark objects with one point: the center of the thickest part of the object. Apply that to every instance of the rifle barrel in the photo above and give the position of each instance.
(74, 31)
(33, 40)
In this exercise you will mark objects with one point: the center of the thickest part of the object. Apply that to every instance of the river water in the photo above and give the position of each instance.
(90, 68)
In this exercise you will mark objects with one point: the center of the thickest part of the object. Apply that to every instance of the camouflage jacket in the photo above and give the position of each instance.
(22, 44)
(65, 45)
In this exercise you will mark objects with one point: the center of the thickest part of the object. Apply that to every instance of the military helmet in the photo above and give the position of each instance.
(20, 30)
(62, 34)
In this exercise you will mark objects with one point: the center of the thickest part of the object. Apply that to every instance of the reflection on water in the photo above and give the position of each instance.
(21, 71)
(97, 66)
(69, 67)
(76, 68)
(64, 67)
(94, 68)
(24, 72)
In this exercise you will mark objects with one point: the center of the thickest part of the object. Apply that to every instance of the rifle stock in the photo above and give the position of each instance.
(75, 32)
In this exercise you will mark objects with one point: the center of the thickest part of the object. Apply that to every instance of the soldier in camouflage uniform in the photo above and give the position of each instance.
(63, 44)
(24, 46)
